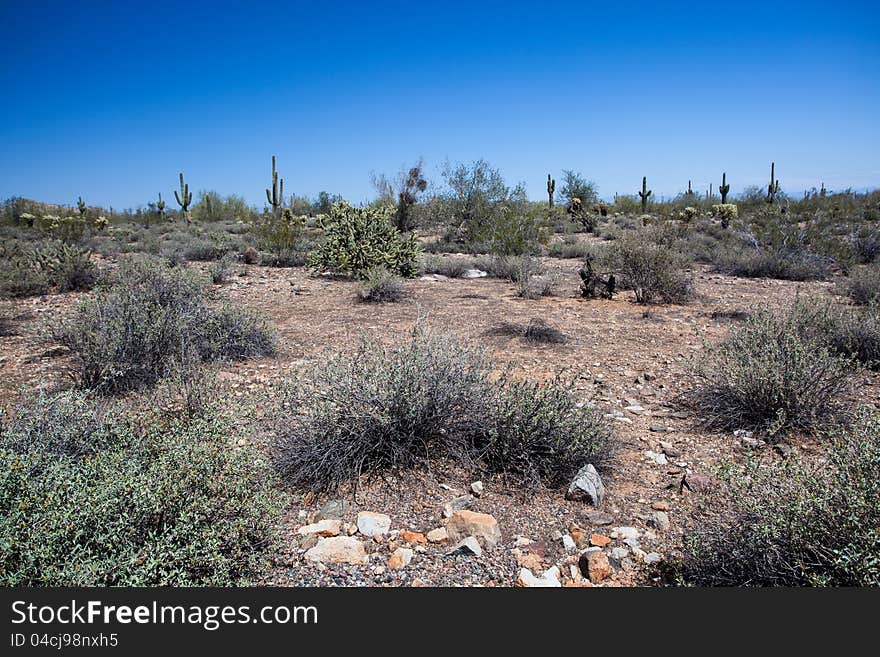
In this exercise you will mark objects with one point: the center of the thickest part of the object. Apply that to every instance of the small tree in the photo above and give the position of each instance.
(574, 185)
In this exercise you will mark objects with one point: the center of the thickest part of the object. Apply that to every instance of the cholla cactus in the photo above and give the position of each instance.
(727, 212)
(688, 214)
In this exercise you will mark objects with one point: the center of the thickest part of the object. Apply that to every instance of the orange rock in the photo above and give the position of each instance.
(400, 558)
(599, 540)
(577, 534)
(598, 567)
(530, 560)
(309, 498)
(481, 526)
(660, 505)
(413, 537)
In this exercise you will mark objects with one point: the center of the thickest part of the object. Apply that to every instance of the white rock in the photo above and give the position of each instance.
(624, 533)
(327, 527)
(372, 524)
(477, 488)
(549, 579)
(474, 273)
(586, 487)
(469, 544)
(568, 543)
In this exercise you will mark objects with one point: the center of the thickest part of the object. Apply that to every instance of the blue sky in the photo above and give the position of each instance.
(111, 99)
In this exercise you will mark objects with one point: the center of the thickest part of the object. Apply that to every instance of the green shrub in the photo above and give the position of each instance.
(537, 432)
(854, 333)
(149, 320)
(783, 264)
(20, 279)
(384, 410)
(33, 270)
(570, 247)
(282, 238)
(358, 239)
(222, 270)
(796, 523)
(774, 373)
(451, 267)
(381, 286)
(88, 499)
(863, 285)
(654, 269)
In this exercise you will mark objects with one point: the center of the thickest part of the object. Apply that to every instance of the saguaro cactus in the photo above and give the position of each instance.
(276, 197)
(551, 188)
(724, 188)
(160, 207)
(184, 198)
(773, 187)
(823, 191)
(645, 193)
(690, 191)
(81, 206)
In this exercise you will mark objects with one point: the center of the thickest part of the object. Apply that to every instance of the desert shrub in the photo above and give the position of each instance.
(509, 268)
(381, 286)
(451, 267)
(95, 499)
(222, 270)
(149, 319)
(863, 285)
(388, 409)
(32, 270)
(532, 281)
(358, 239)
(783, 264)
(510, 231)
(201, 250)
(381, 409)
(776, 373)
(655, 270)
(250, 256)
(538, 432)
(853, 333)
(570, 247)
(280, 236)
(536, 331)
(795, 523)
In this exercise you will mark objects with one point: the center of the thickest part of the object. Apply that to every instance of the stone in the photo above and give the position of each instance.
(656, 428)
(598, 518)
(338, 549)
(413, 537)
(660, 505)
(568, 543)
(373, 524)
(586, 487)
(549, 579)
(658, 458)
(459, 503)
(308, 541)
(400, 558)
(481, 526)
(624, 533)
(696, 483)
(783, 450)
(595, 566)
(477, 488)
(469, 545)
(577, 534)
(619, 553)
(661, 521)
(653, 557)
(474, 273)
(329, 527)
(529, 560)
(752, 443)
(333, 509)
(438, 535)
(599, 540)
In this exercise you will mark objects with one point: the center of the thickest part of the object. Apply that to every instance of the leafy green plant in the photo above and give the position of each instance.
(795, 523)
(644, 261)
(91, 497)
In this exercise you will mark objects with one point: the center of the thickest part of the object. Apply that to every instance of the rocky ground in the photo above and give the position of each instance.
(443, 527)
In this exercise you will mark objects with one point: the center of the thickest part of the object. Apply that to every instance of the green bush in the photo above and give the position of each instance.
(796, 523)
(34, 269)
(774, 373)
(149, 320)
(358, 239)
(537, 432)
(382, 286)
(863, 285)
(654, 269)
(95, 499)
(389, 409)
(445, 266)
(282, 237)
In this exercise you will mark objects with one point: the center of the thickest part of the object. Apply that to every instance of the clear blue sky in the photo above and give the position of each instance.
(111, 99)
